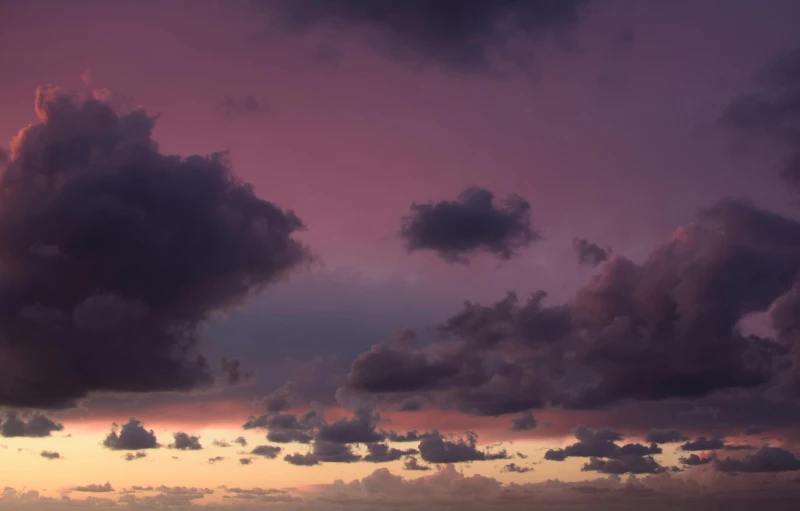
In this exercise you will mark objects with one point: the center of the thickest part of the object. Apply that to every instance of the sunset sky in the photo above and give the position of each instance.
(372, 254)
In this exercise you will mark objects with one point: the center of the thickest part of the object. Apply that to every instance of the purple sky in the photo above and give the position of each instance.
(607, 125)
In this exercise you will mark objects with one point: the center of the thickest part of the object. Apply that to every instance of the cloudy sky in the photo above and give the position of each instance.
(368, 254)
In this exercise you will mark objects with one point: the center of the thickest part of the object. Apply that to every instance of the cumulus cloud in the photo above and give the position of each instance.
(241, 441)
(590, 253)
(245, 461)
(704, 444)
(412, 463)
(625, 464)
(766, 459)
(360, 429)
(133, 456)
(216, 459)
(50, 455)
(31, 425)
(132, 436)
(695, 460)
(456, 230)
(267, 451)
(437, 449)
(324, 452)
(186, 442)
(107, 279)
(464, 37)
(411, 436)
(286, 427)
(600, 444)
(382, 453)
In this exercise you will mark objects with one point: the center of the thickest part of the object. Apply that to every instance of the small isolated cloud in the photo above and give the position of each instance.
(216, 459)
(94, 488)
(133, 456)
(233, 106)
(185, 442)
(267, 451)
(412, 463)
(131, 437)
(456, 230)
(27, 425)
(524, 422)
(50, 455)
(513, 467)
(220, 443)
(241, 441)
(590, 253)
(245, 461)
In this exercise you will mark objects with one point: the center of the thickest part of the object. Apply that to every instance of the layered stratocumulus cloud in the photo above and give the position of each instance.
(114, 255)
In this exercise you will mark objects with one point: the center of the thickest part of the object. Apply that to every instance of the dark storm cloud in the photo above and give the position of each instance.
(267, 451)
(382, 453)
(133, 456)
(232, 106)
(458, 36)
(513, 467)
(412, 463)
(694, 460)
(524, 422)
(766, 459)
(132, 436)
(50, 455)
(114, 255)
(599, 444)
(627, 464)
(232, 367)
(665, 436)
(590, 253)
(185, 442)
(773, 111)
(95, 488)
(30, 425)
(473, 223)
(437, 449)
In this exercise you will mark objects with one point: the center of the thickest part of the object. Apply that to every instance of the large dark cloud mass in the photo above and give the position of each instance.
(457, 35)
(455, 230)
(114, 254)
(438, 449)
(668, 327)
(32, 425)
(773, 111)
(766, 459)
(600, 444)
(132, 436)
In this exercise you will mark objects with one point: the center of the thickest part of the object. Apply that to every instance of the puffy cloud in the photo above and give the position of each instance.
(665, 436)
(458, 36)
(133, 456)
(245, 461)
(31, 425)
(107, 278)
(216, 459)
(267, 451)
(696, 460)
(437, 449)
(704, 444)
(360, 429)
(185, 442)
(50, 455)
(94, 488)
(455, 230)
(766, 459)
(323, 452)
(381, 453)
(513, 467)
(600, 444)
(625, 464)
(220, 443)
(411, 436)
(286, 427)
(241, 441)
(590, 253)
(132, 436)
(524, 422)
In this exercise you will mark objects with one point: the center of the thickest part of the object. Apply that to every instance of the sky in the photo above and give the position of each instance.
(371, 254)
